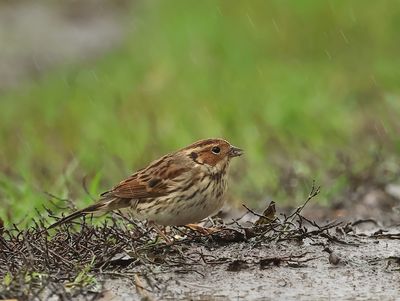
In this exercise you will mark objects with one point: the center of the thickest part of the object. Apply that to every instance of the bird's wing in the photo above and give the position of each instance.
(151, 182)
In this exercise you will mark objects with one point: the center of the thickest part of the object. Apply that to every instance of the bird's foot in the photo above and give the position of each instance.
(161, 233)
(201, 229)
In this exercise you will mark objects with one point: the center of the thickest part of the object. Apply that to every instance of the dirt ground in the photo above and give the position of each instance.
(365, 272)
(364, 266)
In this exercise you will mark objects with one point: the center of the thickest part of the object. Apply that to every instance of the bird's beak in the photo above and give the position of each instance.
(235, 152)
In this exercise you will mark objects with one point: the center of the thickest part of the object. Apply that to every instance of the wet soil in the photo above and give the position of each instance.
(368, 270)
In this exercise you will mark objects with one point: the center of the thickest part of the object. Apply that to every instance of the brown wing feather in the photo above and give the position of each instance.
(133, 188)
(154, 181)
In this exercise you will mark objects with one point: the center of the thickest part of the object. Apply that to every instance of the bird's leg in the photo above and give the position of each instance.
(160, 232)
(201, 229)
(211, 221)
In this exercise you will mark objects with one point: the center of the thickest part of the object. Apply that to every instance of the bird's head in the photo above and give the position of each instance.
(214, 154)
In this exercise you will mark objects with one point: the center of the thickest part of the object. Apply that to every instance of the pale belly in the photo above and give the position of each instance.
(175, 211)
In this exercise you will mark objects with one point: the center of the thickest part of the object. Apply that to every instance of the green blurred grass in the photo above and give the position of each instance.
(293, 83)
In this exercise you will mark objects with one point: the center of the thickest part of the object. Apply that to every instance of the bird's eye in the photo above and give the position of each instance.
(215, 150)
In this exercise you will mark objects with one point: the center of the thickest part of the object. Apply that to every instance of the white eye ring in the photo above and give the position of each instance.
(215, 150)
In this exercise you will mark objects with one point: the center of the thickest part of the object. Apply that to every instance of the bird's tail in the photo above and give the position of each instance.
(104, 205)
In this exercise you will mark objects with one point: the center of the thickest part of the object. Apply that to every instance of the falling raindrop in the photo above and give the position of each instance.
(250, 21)
(94, 74)
(344, 37)
(328, 54)
(276, 26)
